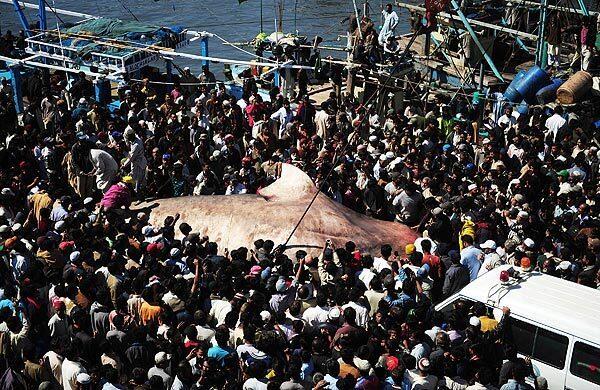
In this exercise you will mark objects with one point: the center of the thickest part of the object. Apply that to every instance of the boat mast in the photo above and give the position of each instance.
(542, 46)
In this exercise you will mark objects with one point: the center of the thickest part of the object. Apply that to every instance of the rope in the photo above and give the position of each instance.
(327, 16)
(240, 49)
(182, 84)
(54, 12)
(128, 10)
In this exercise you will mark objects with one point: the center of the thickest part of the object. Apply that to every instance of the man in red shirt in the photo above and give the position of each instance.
(437, 269)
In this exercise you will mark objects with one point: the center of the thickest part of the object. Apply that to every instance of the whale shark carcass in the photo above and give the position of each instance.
(238, 220)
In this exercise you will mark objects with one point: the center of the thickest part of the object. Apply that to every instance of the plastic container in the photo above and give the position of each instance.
(102, 91)
(535, 79)
(523, 108)
(511, 94)
(574, 88)
(548, 93)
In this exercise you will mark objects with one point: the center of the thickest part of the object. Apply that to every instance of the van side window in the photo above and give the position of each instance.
(550, 348)
(523, 336)
(541, 344)
(585, 362)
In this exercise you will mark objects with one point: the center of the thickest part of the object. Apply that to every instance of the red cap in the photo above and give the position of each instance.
(391, 363)
(66, 245)
(58, 305)
(155, 248)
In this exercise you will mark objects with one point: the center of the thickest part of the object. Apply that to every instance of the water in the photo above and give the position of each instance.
(232, 21)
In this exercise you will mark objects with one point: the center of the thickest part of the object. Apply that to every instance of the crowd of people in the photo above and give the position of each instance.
(92, 296)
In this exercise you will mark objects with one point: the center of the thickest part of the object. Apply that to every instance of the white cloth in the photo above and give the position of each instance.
(362, 315)
(70, 370)
(284, 117)
(390, 21)
(254, 384)
(218, 310)
(365, 275)
(59, 327)
(106, 168)
(54, 361)
(156, 371)
(138, 161)
(321, 119)
(315, 315)
(379, 263)
(554, 124)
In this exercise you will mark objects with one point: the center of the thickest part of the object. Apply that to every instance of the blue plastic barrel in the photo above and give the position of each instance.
(523, 108)
(511, 94)
(102, 91)
(548, 93)
(535, 79)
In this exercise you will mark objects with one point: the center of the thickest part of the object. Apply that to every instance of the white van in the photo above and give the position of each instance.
(554, 321)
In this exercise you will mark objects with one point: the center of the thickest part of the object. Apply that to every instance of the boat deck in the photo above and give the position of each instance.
(455, 74)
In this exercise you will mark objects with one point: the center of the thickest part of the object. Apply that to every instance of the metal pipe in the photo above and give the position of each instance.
(57, 10)
(21, 15)
(474, 22)
(535, 4)
(111, 76)
(541, 52)
(473, 35)
(583, 8)
(42, 14)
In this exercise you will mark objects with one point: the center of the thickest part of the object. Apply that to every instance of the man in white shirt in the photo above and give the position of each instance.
(54, 361)
(507, 118)
(555, 123)
(318, 314)
(219, 309)
(204, 332)
(390, 22)
(321, 121)
(284, 116)
(491, 259)
(105, 168)
(70, 369)
(161, 361)
(58, 324)
(247, 348)
(365, 275)
(362, 314)
(381, 263)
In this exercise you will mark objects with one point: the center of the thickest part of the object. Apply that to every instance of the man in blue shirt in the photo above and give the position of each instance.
(470, 256)
(221, 350)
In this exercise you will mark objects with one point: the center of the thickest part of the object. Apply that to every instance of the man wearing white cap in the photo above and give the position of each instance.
(517, 227)
(380, 165)
(136, 158)
(373, 144)
(161, 361)
(175, 260)
(491, 258)
(84, 381)
(421, 378)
